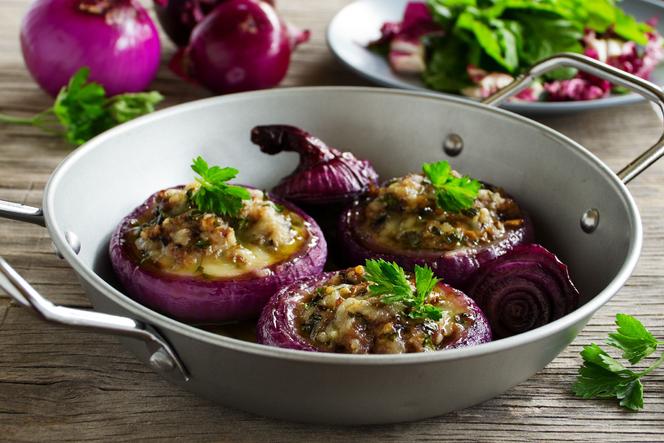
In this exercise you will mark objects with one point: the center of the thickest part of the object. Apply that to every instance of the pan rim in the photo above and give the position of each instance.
(165, 323)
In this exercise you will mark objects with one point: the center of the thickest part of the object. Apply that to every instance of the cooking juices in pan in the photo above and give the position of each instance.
(210, 252)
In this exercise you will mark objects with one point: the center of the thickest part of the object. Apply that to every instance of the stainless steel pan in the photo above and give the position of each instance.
(581, 209)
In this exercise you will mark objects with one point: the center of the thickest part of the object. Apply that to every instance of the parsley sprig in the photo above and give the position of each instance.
(388, 281)
(453, 194)
(602, 376)
(82, 110)
(214, 194)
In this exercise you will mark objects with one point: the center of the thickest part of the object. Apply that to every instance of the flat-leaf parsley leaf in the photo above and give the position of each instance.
(602, 376)
(214, 194)
(453, 194)
(389, 282)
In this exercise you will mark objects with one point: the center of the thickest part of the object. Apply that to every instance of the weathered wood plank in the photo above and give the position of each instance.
(109, 395)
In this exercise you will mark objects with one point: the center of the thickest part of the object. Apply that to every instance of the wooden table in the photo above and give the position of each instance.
(62, 384)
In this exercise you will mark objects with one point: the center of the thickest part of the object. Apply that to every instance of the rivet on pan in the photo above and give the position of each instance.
(72, 240)
(453, 145)
(161, 361)
(590, 220)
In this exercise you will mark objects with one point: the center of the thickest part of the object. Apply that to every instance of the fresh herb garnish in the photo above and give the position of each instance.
(602, 376)
(214, 194)
(453, 194)
(82, 110)
(388, 281)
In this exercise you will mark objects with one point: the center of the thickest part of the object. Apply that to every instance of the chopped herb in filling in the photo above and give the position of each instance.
(344, 314)
(175, 236)
(411, 212)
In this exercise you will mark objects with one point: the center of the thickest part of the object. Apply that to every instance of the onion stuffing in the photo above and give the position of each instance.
(174, 255)
(523, 289)
(403, 221)
(116, 39)
(336, 312)
(241, 45)
(324, 175)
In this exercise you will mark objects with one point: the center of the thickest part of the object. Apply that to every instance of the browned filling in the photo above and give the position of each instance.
(174, 236)
(341, 315)
(403, 214)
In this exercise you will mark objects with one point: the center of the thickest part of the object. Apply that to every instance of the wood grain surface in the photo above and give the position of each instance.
(62, 384)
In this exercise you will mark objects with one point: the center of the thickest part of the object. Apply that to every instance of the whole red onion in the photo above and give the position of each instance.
(116, 39)
(242, 45)
(178, 17)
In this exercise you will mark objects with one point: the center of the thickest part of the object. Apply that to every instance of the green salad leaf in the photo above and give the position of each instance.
(511, 35)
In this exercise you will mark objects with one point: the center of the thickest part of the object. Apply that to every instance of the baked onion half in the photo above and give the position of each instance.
(404, 221)
(203, 267)
(338, 312)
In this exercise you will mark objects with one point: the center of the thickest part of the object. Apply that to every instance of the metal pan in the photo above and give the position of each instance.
(581, 209)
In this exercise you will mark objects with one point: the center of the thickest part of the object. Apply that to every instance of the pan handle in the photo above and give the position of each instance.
(643, 87)
(16, 211)
(162, 357)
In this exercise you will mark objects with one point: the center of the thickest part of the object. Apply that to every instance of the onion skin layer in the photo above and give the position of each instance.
(276, 325)
(121, 47)
(200, 300)
(240, 46)
(454, 267)
(179, 17)
(324, 175)
(526, 288)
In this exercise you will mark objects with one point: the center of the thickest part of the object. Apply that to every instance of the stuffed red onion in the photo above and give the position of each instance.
(214, 263)
(352, 311)
(437, 218)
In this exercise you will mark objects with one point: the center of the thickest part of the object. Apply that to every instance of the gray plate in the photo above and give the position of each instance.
(359, 23)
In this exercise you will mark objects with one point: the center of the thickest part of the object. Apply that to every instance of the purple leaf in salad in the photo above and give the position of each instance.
(476, 48)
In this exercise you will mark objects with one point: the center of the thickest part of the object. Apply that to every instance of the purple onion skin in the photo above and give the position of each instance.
(241, 45)
(526, 288)
(277, 327)
(324, 175)
(121, 47)
(199, 300)
(179, 17)
(454, 267)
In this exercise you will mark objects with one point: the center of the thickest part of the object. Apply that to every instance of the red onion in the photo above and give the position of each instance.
(242, 45)
(212, 300)
(179, 17)
(523, 289)
(116, 39)
(324, 174)
(456, 266)
(277, 325)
